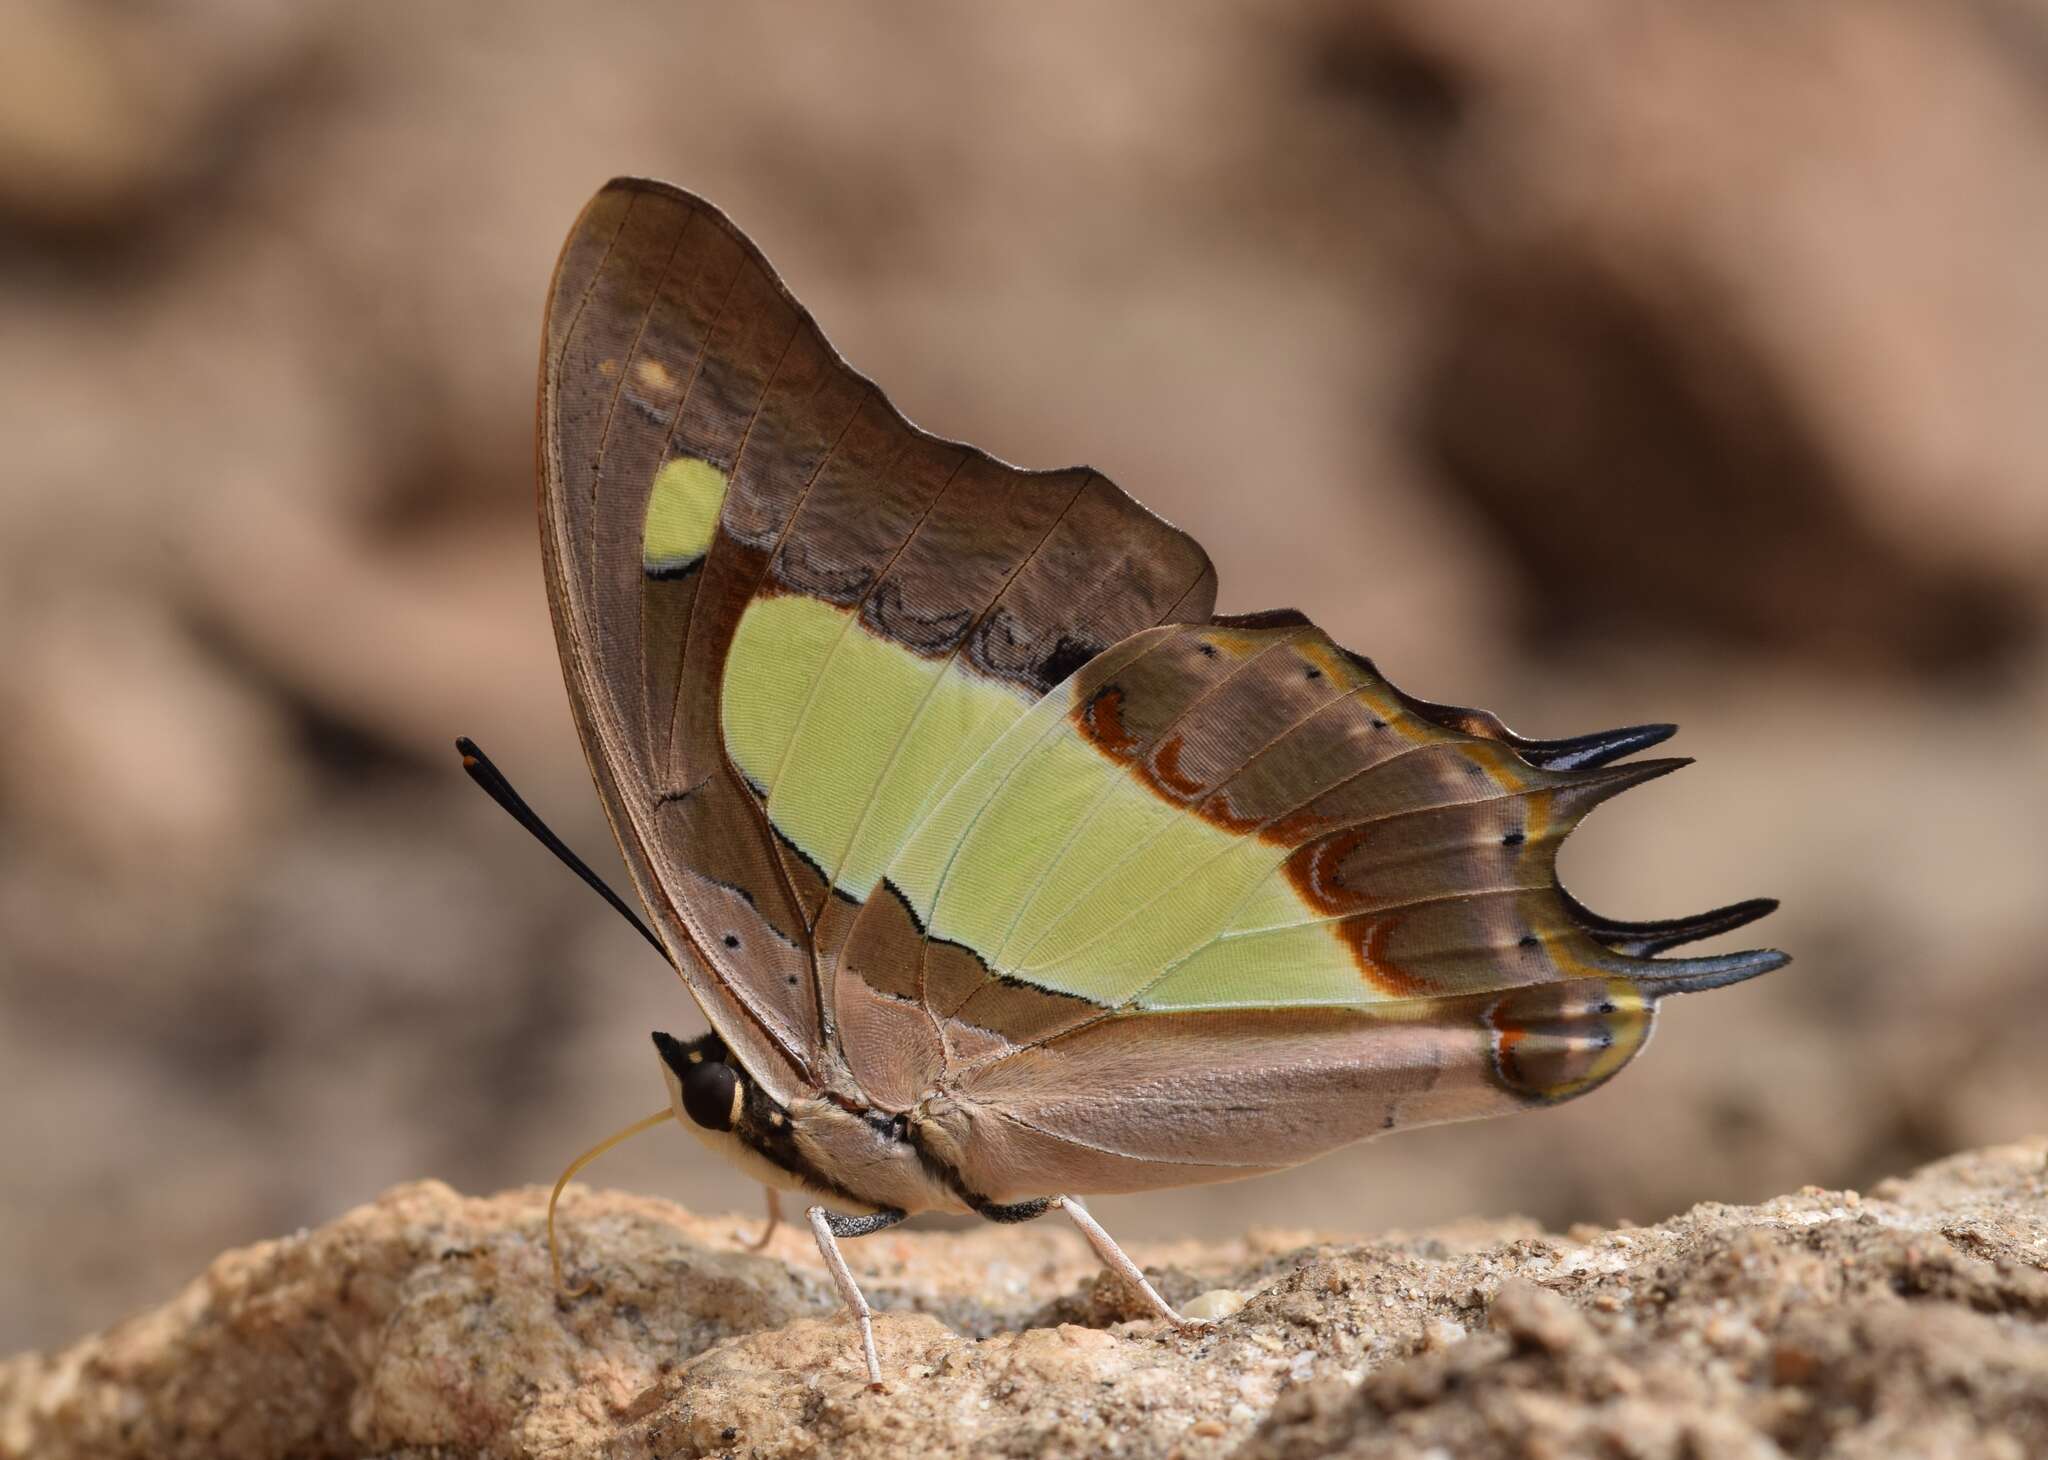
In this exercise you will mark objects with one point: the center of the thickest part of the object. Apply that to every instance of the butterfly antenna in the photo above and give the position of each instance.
(646, 1122)
(487, 775)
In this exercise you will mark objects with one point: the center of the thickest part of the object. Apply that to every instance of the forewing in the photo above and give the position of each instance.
(790, 620)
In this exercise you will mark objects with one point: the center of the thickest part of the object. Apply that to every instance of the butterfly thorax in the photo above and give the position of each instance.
(854, 1158)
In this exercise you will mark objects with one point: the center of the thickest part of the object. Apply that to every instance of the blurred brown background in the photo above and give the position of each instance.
(1595, 364)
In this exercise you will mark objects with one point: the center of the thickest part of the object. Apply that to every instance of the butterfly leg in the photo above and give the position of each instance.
(828, 1228)
(774, 1219)
(1117, 1261)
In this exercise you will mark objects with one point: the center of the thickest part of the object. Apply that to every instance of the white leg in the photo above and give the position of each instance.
(774, 1219)
(848, 1290)
(1114, 1258)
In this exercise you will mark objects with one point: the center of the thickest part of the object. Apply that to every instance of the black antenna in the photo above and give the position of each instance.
(487, 775)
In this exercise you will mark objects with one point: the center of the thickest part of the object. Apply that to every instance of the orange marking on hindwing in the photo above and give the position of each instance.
(1313, 873)
(1101, 723)
(1366, 936)
(1505, 1042)
(1165, 773)
(1312, 869)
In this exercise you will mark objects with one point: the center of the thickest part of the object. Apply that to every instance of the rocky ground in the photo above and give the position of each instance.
(1909, 1320)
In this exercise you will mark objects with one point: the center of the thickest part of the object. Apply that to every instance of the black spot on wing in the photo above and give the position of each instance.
(1067, 656)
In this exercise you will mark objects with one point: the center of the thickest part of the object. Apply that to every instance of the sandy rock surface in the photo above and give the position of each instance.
(1908, 1320)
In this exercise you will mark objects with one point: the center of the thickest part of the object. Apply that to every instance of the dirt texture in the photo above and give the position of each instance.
(1907, 1321)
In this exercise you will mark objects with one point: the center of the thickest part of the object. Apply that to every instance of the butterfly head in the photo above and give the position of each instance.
(807, 1147)
(705, 1088)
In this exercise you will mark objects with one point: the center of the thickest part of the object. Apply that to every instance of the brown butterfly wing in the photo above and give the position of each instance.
(713, 474)
(949, 797)
(1171, 1099)
(1228, 899)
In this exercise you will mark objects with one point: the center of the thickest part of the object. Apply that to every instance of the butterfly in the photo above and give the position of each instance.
(1004, 870)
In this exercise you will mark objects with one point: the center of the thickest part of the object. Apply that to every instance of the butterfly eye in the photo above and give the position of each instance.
(711, 1095)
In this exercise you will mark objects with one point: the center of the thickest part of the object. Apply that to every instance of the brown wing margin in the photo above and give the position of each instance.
(671, 340)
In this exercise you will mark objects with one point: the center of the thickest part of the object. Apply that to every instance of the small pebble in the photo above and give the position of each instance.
(1215, 1304)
